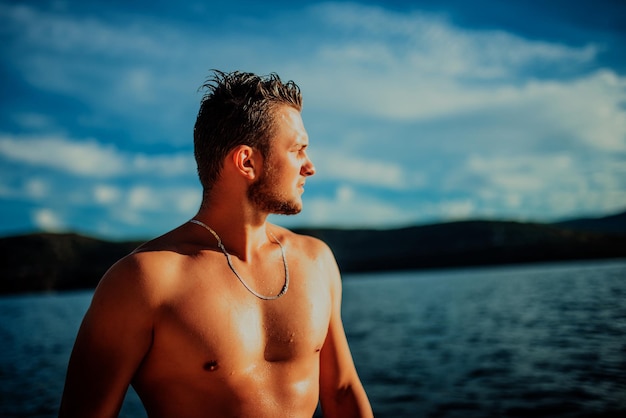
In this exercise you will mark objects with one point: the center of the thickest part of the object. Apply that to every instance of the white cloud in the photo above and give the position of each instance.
(533, 143)
(456, 209)
(106, 194)
(34, 121)
(187, 200)
(66, 33)
(415, 65)
(529, 174)
(91, 158)
(429, 45)
(141, 198)
(391, 65)
(345, 194)
(349, 208)
(48, 220)
(165, 165)
(139, 83)
(542, 186)
(82, 158)
(589, 109)
(158, 199)
(119, 210)
(37, 188)
(523, 174)
(337, 165)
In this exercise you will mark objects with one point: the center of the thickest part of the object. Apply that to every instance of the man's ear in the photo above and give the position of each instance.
(246, 160)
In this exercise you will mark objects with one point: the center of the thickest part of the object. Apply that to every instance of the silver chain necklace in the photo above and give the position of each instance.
(230, 263)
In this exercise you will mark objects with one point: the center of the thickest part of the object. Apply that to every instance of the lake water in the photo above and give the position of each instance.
(535, 340)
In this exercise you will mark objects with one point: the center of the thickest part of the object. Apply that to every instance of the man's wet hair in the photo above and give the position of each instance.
(237, 109)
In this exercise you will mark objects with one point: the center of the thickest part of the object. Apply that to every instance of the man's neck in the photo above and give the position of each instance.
(242, 232)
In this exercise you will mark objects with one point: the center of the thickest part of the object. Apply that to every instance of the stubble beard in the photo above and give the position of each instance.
(265, 195)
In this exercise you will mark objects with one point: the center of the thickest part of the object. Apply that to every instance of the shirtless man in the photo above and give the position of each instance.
(226, 315)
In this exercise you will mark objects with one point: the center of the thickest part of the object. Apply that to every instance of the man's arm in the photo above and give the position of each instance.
(341, 392)
(114, 336)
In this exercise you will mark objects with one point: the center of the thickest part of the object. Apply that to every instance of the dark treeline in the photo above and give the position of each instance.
(54, 262)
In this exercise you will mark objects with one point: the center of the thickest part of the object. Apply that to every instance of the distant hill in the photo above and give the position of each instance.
(614, 224)
(47, 262)
(467, 243)
(51, 262)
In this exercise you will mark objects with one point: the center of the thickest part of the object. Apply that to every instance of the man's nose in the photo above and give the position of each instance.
(308, 169)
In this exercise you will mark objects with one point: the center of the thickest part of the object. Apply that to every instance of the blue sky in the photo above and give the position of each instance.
(417, 112)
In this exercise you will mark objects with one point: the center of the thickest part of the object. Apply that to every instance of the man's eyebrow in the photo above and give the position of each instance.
(300, 144)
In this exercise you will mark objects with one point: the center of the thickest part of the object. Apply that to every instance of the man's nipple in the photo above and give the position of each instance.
(211, 366)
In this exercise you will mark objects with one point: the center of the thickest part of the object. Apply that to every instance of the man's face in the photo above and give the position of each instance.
(280, 186)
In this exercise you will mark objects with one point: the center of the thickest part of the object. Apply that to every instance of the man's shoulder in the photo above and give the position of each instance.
(152, 265)
(301, 240)
(305, 245)
(175, 246)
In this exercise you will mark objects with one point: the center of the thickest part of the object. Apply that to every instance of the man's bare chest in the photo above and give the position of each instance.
(228, 327)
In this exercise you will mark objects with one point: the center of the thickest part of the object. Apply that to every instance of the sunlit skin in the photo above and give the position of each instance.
(173, 319)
